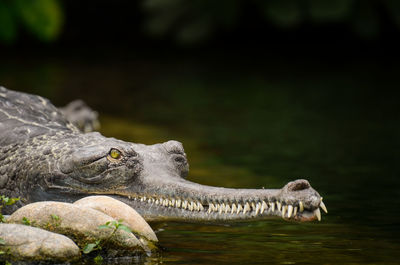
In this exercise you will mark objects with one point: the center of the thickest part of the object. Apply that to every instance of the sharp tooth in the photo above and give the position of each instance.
(284, 209)
(279, 206)
(191, 206)
(157, 202)
(209, 209)
(253, 206)
(272, 205)
(141, 199)
(161, 201)
(258, 206)
(317, 212)
(184, 204)
(301, 206)
(289, 211)
(129, 197)
(144, 198)
(211, 206)
(246, 208)
(178, 203)
(263, 206)
(233, 208)
(295, 211)
(239, 208)
(172, 203)
(152, 200)
(149, 200)
(216, 207)
(227, 208)
(221, 208)
(323, 207)
(165, 202)
(200, 206)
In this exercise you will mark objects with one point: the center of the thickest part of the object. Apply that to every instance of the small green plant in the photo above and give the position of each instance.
(3, 202)
(98, 259)
(26, 221)
(2, 242)
(55, 217)
(2, 252)
(92, 247)
(56, 221)
(97, 245)
(116, 225)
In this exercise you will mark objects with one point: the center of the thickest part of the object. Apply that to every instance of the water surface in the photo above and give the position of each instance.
(337, 128)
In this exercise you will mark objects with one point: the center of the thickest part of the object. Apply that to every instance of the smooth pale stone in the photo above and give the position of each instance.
(81, 224)
(119, 210)
(30, 243)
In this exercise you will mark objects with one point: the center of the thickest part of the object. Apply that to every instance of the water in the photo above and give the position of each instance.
(337, 127)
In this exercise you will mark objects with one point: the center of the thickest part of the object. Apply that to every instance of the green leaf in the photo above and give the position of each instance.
(26, 221)
(2, 219)
(11, 201)
(104, 226)
(2, 241)
(43, 18)
(98, 259)
(55, 217)
(125, 228)
(8, 26)
(88, 248)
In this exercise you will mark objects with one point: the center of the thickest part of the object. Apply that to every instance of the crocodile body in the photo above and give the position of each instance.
(45, 157)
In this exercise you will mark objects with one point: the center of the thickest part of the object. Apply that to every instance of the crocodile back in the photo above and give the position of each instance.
(24, 116)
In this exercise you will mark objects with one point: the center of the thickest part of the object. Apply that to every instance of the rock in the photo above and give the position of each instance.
(23, 242)
(81, 224)
(119, 210)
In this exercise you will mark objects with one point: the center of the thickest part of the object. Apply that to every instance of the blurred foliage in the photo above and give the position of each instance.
(192, 21)
(41, 18)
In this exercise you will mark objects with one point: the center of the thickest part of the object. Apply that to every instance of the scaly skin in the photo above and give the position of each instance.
(44, 157)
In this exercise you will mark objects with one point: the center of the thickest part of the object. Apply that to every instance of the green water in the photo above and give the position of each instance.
(259, 128)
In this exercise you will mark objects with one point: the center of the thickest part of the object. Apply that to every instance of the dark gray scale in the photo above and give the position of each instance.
(24, 116)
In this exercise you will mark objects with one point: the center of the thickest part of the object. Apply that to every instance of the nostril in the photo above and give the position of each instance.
(180, 159)
(297, 185)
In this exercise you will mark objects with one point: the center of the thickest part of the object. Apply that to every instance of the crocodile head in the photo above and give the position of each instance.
(152, 179)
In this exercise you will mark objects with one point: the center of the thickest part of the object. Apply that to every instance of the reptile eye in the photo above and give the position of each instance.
(114, 154)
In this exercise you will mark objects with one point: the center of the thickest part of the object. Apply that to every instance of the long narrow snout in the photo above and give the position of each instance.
(187, 201)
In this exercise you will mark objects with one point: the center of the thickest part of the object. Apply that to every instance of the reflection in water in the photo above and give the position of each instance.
(257, 130)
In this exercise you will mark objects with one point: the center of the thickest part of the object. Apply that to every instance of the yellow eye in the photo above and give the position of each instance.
(115, 154)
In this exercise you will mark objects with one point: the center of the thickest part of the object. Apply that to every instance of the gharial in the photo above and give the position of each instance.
(43, 156)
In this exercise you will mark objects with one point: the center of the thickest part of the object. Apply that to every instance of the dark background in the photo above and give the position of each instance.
(259, 92)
